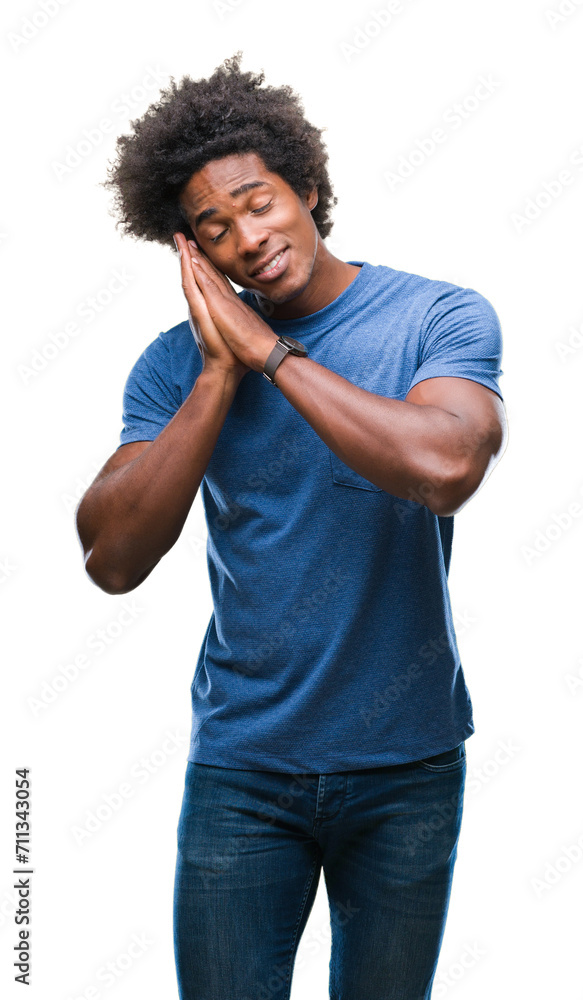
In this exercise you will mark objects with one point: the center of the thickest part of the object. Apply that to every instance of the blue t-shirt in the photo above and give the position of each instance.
(331, 645)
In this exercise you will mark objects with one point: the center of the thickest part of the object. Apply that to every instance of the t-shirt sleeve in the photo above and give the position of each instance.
(150, 397)
(461, 337)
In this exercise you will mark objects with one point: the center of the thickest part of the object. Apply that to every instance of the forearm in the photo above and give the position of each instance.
(129, 519)
(411, 451)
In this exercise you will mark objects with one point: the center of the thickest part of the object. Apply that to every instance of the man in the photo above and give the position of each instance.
(330, 710)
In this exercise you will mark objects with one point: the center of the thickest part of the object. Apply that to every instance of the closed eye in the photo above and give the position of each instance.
(260, 209)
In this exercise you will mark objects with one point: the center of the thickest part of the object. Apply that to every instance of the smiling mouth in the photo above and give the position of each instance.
(271, 264)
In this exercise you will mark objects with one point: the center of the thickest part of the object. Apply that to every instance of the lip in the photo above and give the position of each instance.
(275, 271)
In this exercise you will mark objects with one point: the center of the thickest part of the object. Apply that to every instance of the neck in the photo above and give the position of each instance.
(328, 279)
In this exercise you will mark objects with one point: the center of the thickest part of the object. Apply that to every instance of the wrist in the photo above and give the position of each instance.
(262, 351)
(219, 374)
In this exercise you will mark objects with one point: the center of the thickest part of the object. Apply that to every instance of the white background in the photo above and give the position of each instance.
(516, 898)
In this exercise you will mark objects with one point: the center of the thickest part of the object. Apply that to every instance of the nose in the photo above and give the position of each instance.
(250, 239)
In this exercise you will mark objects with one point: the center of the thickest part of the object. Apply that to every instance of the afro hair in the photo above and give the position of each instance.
(201, 120)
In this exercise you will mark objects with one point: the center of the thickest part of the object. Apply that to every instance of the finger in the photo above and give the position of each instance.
(190, 287)
(205, 273)
(194, 322)
(212, 267)
(219, 278)
(225, 280)
(229, 284)
(196, 332)
(189, 282)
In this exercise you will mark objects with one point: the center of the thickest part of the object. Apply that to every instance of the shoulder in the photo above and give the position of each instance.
(456, 309)
(438, 303)
(425, 292)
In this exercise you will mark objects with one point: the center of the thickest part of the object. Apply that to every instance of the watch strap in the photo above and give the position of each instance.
(277, 355)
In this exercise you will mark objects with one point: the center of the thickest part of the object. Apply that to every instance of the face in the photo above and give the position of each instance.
(242, 215)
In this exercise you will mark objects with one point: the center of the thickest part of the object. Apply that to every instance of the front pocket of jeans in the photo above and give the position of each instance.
(449, 760)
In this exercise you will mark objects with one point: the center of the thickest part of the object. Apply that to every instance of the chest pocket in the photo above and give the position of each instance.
(345, 476)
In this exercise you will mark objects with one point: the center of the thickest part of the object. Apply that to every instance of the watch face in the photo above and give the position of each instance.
(295, 344)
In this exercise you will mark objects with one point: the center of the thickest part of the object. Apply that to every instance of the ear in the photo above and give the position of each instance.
(312, 199)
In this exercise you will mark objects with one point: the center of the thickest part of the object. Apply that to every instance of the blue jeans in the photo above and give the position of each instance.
(251, 846)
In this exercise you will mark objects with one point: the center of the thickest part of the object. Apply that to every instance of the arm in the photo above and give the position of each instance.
(135, 509)
(438, 445)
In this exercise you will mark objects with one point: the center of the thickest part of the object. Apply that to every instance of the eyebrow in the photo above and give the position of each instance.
(242, 189)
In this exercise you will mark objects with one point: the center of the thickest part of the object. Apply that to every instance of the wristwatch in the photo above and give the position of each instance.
(283, 347)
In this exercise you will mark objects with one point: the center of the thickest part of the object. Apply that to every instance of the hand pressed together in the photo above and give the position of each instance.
(229, 334)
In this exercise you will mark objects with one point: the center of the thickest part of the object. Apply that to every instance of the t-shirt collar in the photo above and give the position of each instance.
(321, 317)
